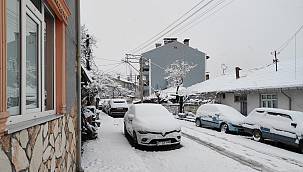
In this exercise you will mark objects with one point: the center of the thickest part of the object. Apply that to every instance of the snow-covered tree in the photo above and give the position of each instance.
(177, 71)
(88, 42)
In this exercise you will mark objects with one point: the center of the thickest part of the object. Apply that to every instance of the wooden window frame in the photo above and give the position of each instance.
(61, 12)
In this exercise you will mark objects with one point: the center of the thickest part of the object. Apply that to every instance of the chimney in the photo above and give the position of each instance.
(238, 72)
(158, 45)
(207, 76)
(186, 42)
(169, 40)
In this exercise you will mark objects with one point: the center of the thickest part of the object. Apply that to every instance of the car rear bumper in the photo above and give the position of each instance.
(152, 139)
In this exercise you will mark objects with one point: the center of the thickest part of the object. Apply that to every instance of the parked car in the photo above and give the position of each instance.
(117, 107)
(219, 116)
(280, 125)
(151, 125)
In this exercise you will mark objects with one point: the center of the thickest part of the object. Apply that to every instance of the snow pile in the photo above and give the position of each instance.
(171, 92)
(288, 75)
(259, 155)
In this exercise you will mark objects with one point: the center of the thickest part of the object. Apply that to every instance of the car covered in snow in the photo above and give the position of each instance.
(151, 125)
(279, 125)
(219, 116)
(117, 107)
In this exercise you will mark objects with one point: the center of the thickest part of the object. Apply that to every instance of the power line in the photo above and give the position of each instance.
(99, 58)
(286, 43)
(113, 68)
(184, 20)
(133, 50)
(203, 19)
(198, 17)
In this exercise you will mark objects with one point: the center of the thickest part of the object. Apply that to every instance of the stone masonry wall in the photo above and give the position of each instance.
(50, 146)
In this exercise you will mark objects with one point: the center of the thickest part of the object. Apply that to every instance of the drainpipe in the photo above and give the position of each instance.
(78, 79)
(289, 99)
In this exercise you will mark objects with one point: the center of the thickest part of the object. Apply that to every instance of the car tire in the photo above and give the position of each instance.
(198, 123)
(135, 139)
(257, 135)
(301, 146)
(223, 128)
(125, 131)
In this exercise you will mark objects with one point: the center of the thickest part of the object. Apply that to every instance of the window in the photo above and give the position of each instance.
(30, 54)
(269, 100)
(280, 115)
(13, 56)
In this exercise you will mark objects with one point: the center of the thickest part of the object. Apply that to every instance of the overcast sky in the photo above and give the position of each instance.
(242, 33)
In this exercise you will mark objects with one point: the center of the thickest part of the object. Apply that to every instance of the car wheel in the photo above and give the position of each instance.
(301, 146)
(257, 135)
(135, 139)
(224, 128)
(198, 123)
(125, 131)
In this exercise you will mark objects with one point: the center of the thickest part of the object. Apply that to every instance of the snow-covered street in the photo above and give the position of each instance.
(112, 152)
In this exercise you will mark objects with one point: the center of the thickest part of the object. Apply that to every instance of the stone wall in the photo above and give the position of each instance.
(50, 146)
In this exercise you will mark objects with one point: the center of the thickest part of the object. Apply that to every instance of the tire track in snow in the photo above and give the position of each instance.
(241, 159)
(289, 160)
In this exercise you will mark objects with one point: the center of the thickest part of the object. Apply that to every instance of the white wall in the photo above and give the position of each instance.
(296, 98)
(229, 100)
(253, 101)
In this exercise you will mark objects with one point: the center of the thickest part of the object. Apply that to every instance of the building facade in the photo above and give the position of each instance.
(264, 87)
(160, 58)
(39, 60)
(245, 102)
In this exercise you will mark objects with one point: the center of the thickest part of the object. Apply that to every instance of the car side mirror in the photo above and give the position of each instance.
(131, 116)
(293, 124)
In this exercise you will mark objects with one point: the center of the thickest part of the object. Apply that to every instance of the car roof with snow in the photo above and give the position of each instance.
(118, 100)
(295, 115)
(150, 109)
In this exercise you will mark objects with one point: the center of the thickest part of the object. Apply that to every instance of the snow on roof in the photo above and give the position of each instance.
(88, 73)
(287, 76)
(171, 91)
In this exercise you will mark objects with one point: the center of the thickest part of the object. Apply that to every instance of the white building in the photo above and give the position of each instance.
(263, 87)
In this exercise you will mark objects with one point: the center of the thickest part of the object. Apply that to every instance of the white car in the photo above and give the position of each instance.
(280, 125)
(219, 116)
(151, 125)
(117, 107)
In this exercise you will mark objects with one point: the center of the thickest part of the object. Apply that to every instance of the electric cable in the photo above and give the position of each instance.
(168, 26)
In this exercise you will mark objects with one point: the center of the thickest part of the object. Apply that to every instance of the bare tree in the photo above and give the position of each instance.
(176, 72)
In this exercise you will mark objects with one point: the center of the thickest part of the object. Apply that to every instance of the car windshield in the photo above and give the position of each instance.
(119, 101)
(151, 110)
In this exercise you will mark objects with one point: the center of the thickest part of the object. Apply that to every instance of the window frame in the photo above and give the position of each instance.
(266, 99)
(28, 9)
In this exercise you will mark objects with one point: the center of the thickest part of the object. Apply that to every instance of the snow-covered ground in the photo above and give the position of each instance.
(112, 152)
(245, 150)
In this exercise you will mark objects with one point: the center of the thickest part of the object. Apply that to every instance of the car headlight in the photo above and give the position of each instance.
(142, 131)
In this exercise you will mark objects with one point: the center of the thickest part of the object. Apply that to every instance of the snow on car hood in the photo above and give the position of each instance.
(156, 123)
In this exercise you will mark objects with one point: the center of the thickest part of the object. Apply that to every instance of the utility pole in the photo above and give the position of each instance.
(132, 58)
(275, 60)
(141, 79)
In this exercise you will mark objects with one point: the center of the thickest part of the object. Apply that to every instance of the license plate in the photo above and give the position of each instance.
(163, 142)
